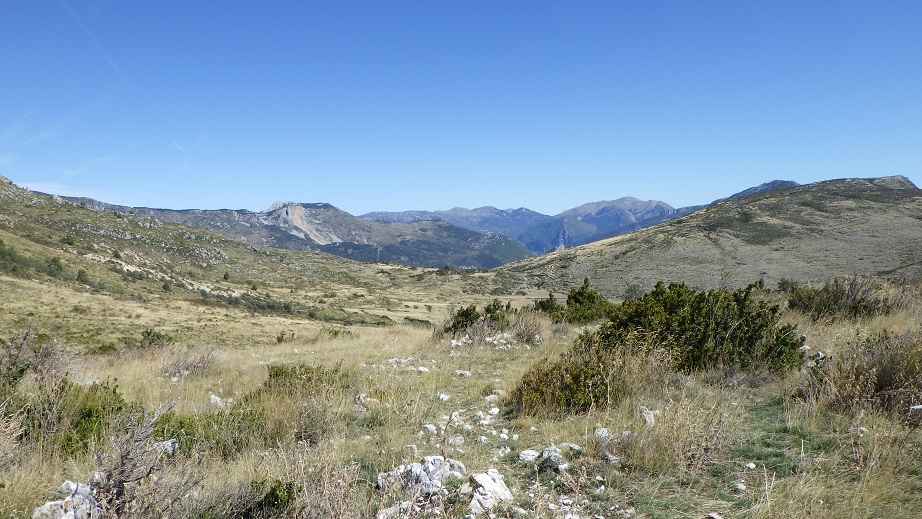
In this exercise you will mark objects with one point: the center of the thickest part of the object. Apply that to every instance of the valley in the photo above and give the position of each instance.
(297, 383)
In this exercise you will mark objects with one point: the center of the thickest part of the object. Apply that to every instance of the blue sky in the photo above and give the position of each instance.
(436, 104)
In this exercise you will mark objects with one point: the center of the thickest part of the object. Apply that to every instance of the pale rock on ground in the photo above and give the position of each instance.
(425, 477)
(488, 490)
(78, 503)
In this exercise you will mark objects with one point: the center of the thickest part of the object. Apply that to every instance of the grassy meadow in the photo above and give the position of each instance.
(268, 423)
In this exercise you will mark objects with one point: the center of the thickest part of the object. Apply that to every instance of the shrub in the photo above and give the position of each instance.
(224, 433)
(16, 358)
(549, 306)
(498, 313)
(461, 320)
(305, 379)
(852, 299)
(670, 328)
(137, 476)
(184, 362)
(590, 375)
(705, 330)
(583, 306)
(882, 372)
(11, 428)
(527, 326)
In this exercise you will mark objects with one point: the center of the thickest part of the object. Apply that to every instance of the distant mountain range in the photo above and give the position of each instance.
(810, 233)
(485, 237)
(542, 233)
(322, 227)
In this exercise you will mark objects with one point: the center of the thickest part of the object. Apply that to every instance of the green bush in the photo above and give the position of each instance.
(669, 328)
(462, 319)
(69, 418)
(583, 306)
(549, 306)
(224, 433)
(705, 330)
(591, 375)
(307, 379)
(498, 313)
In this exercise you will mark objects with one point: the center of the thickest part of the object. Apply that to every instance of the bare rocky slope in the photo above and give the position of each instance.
(807, 233)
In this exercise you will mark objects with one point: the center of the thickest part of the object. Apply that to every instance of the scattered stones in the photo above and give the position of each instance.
(739, 487)
(572, 447)
(462, 373)
(425, 477)
(603, 435)
(167, 446)
(493, 411)
(456, 441)
(443, 397)
(750, 465)
(400, 509)
(218, 401)
(422, 370)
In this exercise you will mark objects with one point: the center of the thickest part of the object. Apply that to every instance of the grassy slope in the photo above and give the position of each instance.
(806, 233)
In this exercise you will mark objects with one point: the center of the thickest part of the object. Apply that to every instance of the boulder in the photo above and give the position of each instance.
(552, 460)
(488, 491)
(79, 502)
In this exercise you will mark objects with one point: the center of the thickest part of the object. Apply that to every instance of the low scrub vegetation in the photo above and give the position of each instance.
(855, 298)
(671, 328)
(662, 404)
(583, 306)
(523, 325)
(880, 373)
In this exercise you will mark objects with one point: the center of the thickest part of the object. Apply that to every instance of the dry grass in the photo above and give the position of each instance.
(686, 464)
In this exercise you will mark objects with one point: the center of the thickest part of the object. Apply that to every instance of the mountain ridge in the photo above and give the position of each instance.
(323, 227)
(811, 232)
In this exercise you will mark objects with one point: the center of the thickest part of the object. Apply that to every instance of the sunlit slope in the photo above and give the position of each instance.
(807, 233)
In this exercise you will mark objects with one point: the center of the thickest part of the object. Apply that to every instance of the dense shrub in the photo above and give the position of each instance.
(590, 375)
(306, 379)
(16, 358)
(704, 330)
(583, 306)
(224, 433)
(852, 299)
(461, 320)
(14, 263)
(881, 372)
(669, 328)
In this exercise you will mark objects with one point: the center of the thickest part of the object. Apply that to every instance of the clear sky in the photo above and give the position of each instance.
(398, 105)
